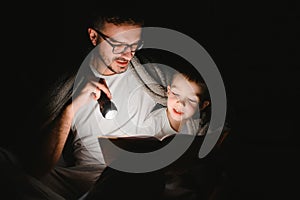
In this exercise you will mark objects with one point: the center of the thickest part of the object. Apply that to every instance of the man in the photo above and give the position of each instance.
(73, 122)
(67, 160)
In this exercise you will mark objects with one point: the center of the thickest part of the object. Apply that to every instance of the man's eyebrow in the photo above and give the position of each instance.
(116, 41)
(113, 40)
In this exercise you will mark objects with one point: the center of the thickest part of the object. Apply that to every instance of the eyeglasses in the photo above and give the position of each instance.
(121, 48)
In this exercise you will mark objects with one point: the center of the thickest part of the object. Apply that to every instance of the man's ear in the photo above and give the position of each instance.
(93, 35)
(204, 105)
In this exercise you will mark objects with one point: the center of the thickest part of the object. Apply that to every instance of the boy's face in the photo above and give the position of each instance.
(183, 98)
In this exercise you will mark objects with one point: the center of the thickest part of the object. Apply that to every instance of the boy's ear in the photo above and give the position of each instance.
(93, 36)
(168, 89)
(204, 105)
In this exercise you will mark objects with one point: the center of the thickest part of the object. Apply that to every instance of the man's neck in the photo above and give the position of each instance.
(100, 66)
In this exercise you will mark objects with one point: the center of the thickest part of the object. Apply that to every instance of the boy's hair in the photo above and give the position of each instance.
(186, 69)
(191, 74)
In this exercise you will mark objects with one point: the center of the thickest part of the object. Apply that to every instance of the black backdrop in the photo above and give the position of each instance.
(254, 44)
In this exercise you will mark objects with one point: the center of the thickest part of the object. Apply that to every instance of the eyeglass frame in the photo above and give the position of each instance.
(107, 38)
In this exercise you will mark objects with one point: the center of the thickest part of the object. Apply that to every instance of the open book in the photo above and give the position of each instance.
(145, 144)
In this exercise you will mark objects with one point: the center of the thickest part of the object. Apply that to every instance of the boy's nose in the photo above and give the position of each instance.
(181, 101)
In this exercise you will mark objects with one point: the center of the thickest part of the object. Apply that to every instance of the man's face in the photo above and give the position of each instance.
(119, 38)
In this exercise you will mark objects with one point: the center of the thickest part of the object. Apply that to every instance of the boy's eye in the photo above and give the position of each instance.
(193, 101)
(175, 94)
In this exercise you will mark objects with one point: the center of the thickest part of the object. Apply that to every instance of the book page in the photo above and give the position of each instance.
(145, 144)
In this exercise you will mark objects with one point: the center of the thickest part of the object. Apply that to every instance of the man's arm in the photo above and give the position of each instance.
(50, 143)
(50, 139)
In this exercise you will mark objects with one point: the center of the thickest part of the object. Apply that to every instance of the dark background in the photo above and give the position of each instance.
(255, 45)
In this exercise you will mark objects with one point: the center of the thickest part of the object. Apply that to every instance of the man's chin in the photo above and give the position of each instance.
(122, 69)
(118, 69)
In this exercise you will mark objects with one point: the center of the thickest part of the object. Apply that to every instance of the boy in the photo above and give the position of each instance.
(187, 105)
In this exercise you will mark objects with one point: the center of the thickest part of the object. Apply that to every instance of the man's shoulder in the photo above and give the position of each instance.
(153, 66)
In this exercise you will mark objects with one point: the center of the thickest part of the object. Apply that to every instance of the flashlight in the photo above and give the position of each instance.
(107, 108)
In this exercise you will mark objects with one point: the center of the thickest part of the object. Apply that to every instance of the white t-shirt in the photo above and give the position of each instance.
(157, 122)
(133, 104)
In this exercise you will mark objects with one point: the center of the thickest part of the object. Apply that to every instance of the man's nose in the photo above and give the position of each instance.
(128, 53)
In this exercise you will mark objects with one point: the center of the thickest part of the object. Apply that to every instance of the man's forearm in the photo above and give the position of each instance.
(52, 142)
